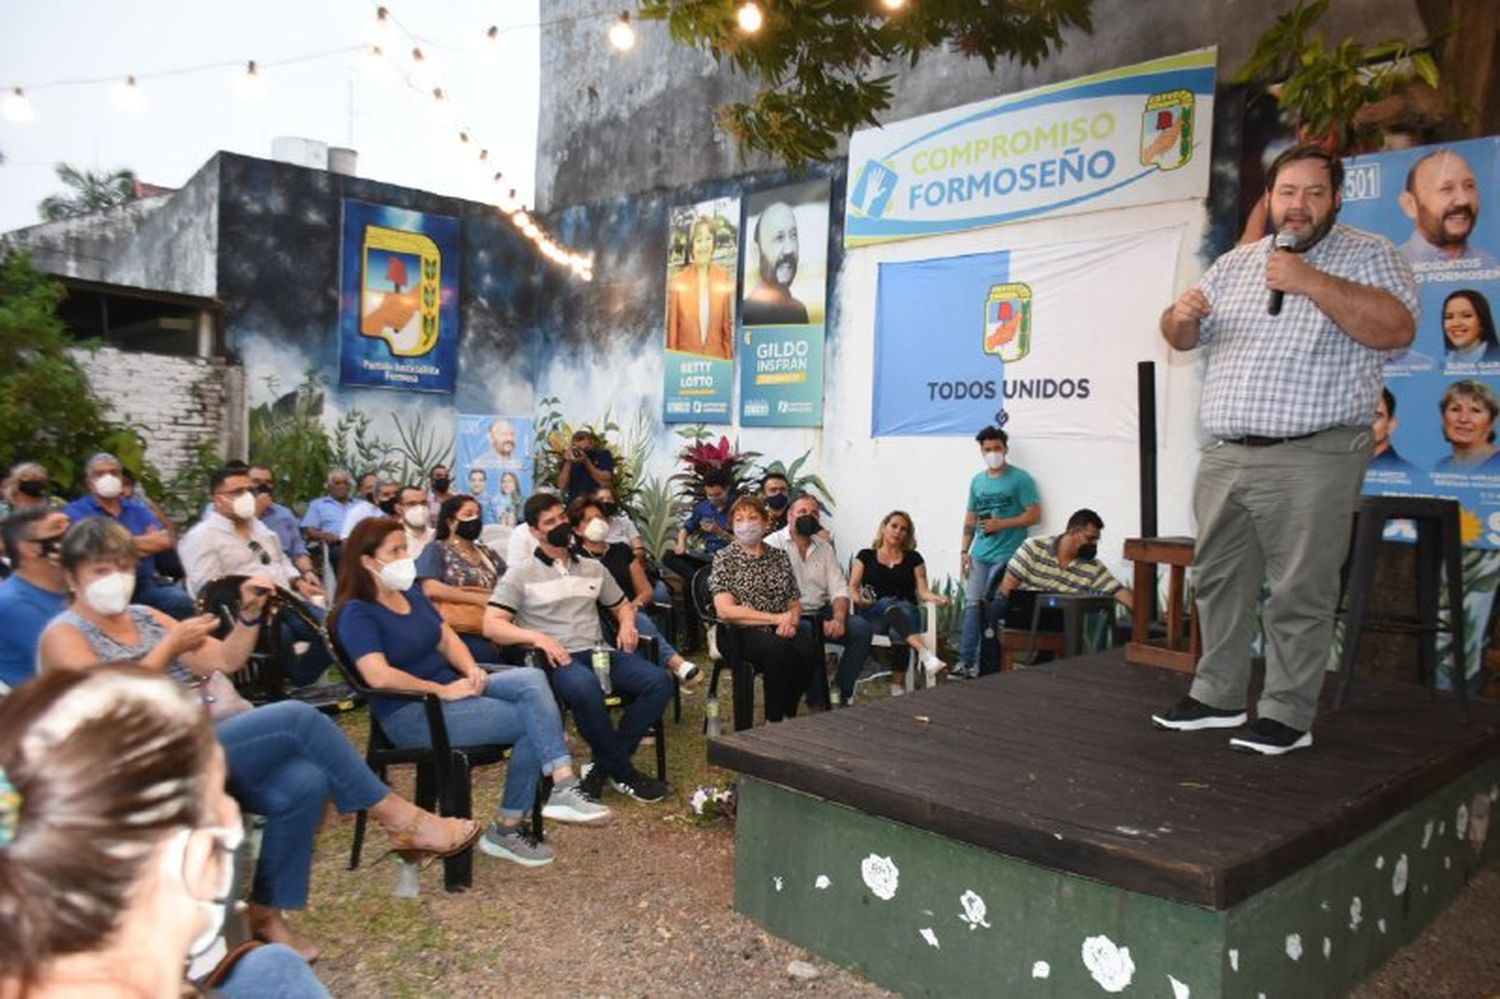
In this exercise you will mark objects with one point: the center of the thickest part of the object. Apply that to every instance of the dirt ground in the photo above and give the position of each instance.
(644, 907)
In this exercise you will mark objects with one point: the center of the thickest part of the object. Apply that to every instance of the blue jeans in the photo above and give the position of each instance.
(648, 629)
(169, 598)
(651, 687)
(482, 649)
(893, 617)
(982, 576)
(856, 643)
(285, 760)
(310, 665)
(272, 970)
(516, 709)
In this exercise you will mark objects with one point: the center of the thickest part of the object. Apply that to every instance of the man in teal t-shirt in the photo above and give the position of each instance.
(1002, 503)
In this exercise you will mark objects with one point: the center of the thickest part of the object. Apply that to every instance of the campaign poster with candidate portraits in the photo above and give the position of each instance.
(1436, 423)
(784, 305)
(398, 299)
(494, 464)
(703, 253)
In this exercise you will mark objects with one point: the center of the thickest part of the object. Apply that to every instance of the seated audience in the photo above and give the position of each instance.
(34, 593)
(285, 759)
(591, 532)
(586, 466)
(104, 476)
(397, 640)
(230, 541)
(776, 490)
(824, 598)
(324, 519)
(552, 601)
(281, 520)
(415, 517)
(756, 591)
(118, 843)
(441, 484)
(886, 583)
(380, 502)
(458, 572)
(1065, 563)
(27, 486)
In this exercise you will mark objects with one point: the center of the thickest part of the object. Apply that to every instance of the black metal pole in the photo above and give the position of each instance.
(1145, 388)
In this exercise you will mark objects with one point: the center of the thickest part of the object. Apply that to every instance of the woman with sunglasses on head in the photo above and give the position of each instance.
(285, 759)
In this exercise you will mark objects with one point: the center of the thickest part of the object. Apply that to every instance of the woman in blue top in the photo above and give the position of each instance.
(398, 641)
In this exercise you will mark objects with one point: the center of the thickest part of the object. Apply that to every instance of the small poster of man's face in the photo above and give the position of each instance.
(786, 255)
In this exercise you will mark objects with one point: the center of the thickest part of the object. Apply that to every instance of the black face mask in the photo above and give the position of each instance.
(807, 525)
(469, 530)
(560, 536)
(1086, 552)
(610, 509)
(441, 483)
(35, 488)
(777, 502)
(388, 506)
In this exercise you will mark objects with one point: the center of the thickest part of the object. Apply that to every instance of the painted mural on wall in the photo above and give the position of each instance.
(1128, 136)
(1436, 428)
(398, 299)
(493, 464)
(1048, 334)
(703, 259)
(786, 276)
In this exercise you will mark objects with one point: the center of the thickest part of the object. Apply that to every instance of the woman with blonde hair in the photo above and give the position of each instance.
(886, 582)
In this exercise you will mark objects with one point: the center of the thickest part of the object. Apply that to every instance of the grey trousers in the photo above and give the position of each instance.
(1283, 514)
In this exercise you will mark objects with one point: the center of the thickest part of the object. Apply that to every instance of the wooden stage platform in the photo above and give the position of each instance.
(1047, 796)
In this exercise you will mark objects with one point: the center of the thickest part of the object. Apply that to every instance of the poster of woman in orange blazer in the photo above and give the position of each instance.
(700, 300)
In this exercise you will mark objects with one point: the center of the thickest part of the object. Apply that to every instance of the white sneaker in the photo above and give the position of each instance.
(897, 690)
(688, 671)
(934, 667)
(573, 804)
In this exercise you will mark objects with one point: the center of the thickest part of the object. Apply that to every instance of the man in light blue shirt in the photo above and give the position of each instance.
(325, 515)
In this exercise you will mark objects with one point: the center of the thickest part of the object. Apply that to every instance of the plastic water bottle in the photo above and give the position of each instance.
(835, 697)
(408, 884)
(600, 659)
(711, 724)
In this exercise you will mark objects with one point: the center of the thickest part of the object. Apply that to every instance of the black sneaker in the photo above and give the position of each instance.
(641, 787)
(1271, 738)
(591, 782)
(1189, 715)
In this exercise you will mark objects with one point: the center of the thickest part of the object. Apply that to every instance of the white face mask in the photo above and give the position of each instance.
(110, 594)
(994, 460)
(108, 486)
(597, 530)
(416, 517)
(398, 575)
(243, 506)
(174, 857)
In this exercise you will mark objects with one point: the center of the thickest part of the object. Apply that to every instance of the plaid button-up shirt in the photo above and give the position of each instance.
(1296, 373)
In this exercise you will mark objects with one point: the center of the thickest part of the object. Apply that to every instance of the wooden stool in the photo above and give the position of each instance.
(1176, 651)
(1439, 553)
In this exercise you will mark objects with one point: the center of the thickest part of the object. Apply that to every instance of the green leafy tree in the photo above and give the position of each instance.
(89, 191)
(49, 412)
(824, 67)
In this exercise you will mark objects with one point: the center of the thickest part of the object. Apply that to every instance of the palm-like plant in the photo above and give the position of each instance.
(90, 191)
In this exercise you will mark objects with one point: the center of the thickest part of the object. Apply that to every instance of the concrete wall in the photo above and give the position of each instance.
(180, 402)
(615, 122)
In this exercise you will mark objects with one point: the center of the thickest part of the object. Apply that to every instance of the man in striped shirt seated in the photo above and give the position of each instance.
(1067, 563)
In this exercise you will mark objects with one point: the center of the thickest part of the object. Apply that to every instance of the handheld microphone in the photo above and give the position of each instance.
(1284, 241)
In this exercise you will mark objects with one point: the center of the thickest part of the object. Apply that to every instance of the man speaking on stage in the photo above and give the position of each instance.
(1294, 330)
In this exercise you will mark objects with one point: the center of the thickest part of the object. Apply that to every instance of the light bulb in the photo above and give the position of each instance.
(381, 35)
(750, 17)
(129, 97)
(489, 44)
(621, 34)
(251, 86)
(893, 4)
(16, 107)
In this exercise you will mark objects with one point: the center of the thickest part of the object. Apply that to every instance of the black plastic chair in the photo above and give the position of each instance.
(726, 639)
(444, 771)
(263, 679)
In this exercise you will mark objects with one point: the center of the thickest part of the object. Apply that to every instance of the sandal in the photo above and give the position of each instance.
(414, 849)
